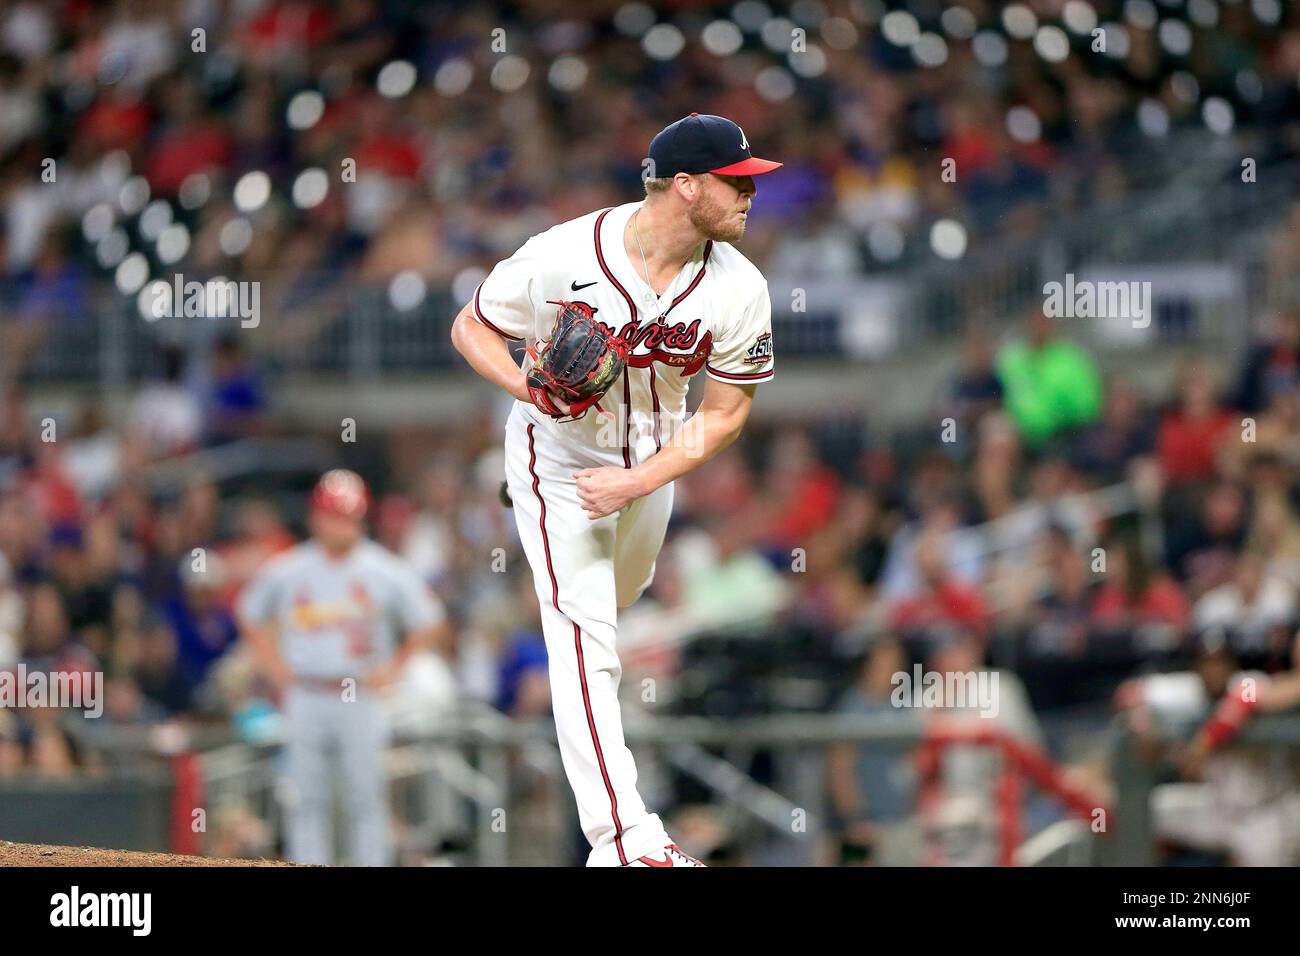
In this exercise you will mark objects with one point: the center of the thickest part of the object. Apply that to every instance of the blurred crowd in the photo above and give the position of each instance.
(805, 566)
(319, 147)
(1076, 535)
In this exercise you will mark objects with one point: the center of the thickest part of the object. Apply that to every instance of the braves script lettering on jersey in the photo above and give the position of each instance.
(337, 619)
(714, 318)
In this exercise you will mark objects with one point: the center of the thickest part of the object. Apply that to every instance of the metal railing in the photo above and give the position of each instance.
(1136, 776)
(465, 774)
(460, 783)
(1205, 215)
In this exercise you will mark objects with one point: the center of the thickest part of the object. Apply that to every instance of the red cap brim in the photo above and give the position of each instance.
(748, 167)
(354, 513)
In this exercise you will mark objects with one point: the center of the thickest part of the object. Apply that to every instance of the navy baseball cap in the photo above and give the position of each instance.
(702, 143)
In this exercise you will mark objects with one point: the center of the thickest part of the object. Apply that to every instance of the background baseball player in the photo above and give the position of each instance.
(592, 496)
(332, 622)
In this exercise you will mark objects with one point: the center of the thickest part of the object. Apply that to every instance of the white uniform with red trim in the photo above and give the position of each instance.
(715, 318)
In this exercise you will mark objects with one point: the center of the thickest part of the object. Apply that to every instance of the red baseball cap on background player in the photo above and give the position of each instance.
(343, 493)
(339, 503)
(704, 143)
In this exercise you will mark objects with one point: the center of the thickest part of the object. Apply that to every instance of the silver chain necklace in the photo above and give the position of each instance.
(636, 233)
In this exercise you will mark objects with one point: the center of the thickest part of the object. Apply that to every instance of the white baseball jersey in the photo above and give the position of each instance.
(338, 618)
(715, 317)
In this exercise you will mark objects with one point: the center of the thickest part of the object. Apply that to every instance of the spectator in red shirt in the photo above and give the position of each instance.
(387, 142)
(191, 142)
(47, 486)
(260, 535)
(279, 28)
(1137, 597)
(118, 120)
(943, 601)
(805, 492)
(1190, 435)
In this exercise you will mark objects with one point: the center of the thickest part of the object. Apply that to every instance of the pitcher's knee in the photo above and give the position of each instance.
(628, 596)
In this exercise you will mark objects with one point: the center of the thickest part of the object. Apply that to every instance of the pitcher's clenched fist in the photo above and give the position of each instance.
(604, 491)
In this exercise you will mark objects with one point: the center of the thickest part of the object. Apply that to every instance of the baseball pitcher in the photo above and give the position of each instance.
(618, 311)
(332, 622)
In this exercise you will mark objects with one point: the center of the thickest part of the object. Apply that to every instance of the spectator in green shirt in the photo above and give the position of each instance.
(1050, 385)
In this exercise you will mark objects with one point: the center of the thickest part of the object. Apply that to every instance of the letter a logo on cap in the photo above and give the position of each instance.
(702, 143)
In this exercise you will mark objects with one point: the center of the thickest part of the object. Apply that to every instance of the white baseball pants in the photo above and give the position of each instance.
(584, 571)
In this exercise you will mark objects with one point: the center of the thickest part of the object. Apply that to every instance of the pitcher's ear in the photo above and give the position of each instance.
(687, 185)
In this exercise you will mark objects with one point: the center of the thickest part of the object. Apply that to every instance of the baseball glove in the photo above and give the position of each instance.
(577, 364)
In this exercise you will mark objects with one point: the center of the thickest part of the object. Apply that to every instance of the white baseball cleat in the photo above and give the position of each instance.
(672, 856)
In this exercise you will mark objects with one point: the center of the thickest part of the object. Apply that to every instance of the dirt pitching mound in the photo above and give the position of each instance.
(35, 854)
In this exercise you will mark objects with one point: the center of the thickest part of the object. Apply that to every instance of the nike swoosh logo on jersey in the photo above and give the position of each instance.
(574, 287)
